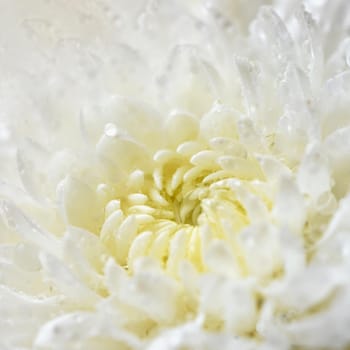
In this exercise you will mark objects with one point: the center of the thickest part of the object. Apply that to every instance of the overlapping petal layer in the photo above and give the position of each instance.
(175, 175)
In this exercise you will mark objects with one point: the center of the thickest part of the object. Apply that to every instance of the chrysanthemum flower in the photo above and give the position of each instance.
(174, 175)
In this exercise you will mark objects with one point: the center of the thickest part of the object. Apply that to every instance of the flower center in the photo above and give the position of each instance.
(172, 213)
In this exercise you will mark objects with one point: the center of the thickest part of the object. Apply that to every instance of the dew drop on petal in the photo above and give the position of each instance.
(111, 130)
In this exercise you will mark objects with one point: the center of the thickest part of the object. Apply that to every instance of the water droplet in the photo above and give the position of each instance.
(111, 130)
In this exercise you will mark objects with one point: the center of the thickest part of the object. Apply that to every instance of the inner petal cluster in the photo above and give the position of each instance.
(196, 194)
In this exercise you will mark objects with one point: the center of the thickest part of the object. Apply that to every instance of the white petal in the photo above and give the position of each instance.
(124, 153)
(289, 209)
(27, 314)
(31, 158)
(220, 121)
(189, 82)
(75, 329)
(219, 259)
(78, 204)
(337, 146)
(126, 115)
(63, 279)
(181, 127)
(234, 303)
(28, 230)
(155, 294)
(314, 176)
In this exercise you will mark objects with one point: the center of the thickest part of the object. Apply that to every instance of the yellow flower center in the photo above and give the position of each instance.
(190, 199)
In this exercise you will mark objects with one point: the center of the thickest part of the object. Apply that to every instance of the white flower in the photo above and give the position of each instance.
(175, 175)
